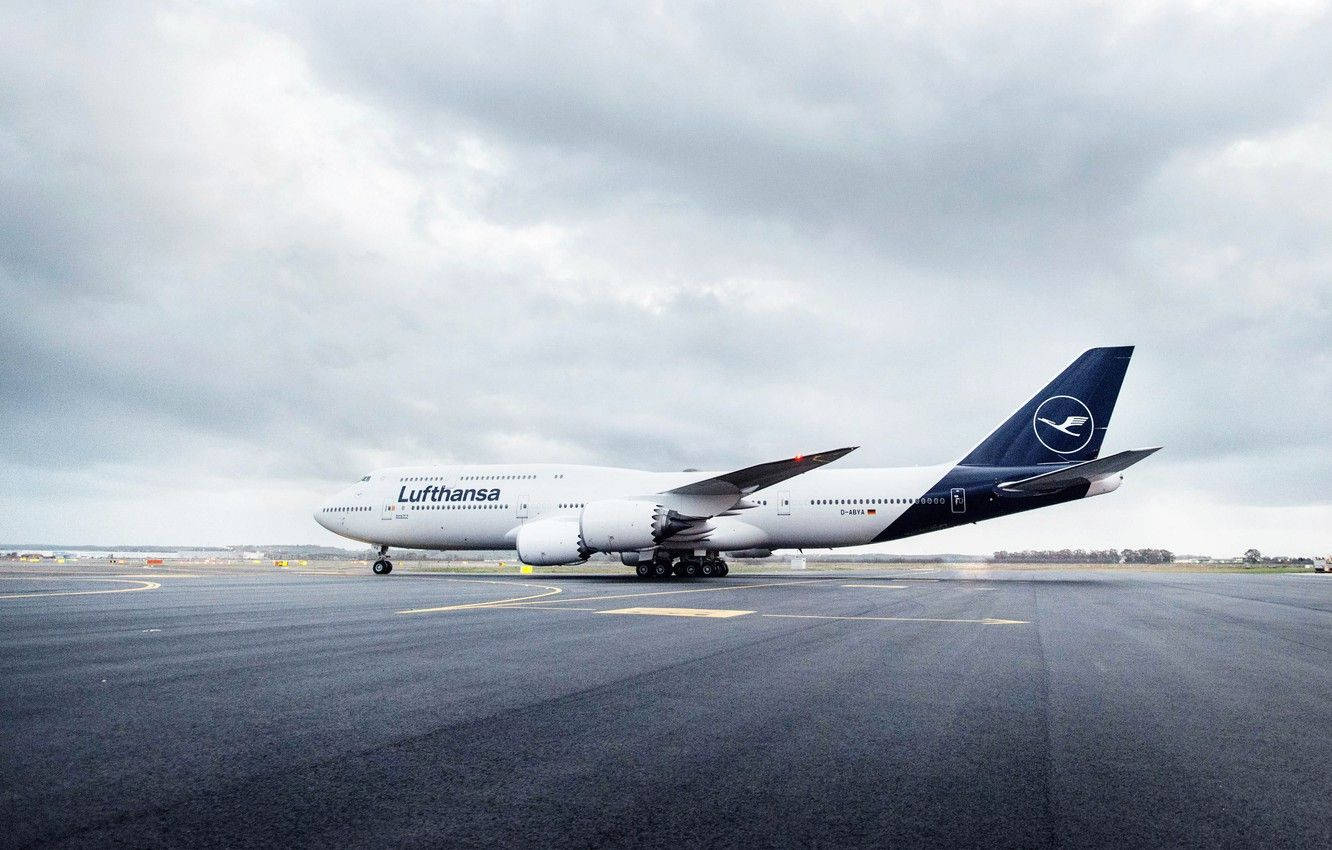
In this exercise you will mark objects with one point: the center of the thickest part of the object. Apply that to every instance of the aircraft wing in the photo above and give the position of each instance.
(720, 493)
(1078, 473)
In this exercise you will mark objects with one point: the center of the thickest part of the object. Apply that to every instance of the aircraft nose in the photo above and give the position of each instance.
(322, 515)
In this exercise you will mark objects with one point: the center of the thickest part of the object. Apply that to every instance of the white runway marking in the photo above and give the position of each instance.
(551, 590)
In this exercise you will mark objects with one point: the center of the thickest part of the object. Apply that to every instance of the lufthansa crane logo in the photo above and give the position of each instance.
(1063, 424)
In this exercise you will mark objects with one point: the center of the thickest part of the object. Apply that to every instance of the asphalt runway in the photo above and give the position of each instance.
(910, 708)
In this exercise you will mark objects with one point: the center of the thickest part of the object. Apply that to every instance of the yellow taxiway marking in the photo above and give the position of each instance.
(143, 585)
(551, 590)
(880, 586)
(666, 593)
(522, 606)
(680, 612)
(988, 621)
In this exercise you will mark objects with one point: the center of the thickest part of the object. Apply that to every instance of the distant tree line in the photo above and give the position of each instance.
(1147, 556)
(1059, 556)
(1253, 556)
(1086, 556)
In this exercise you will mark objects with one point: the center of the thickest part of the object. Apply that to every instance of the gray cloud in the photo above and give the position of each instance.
(944, 135)
(248, 253)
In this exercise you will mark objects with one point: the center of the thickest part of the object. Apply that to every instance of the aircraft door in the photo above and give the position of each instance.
(521, 506)
(958, 496)
(784, 503)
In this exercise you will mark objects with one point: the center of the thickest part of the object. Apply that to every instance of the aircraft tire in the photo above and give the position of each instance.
(691, 567)
(725, 568)
(661, 569)
(643, 569)
(382, 567)
(706, 568)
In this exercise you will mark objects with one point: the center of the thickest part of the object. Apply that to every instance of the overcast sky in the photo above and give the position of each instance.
(250, 252)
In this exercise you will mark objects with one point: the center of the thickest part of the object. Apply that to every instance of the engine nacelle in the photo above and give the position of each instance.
(622, 525)
(550, 542)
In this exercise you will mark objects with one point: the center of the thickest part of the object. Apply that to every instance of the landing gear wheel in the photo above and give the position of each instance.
(691, 567)
(382, 567)
(643, 569)
(725, 569)
(706, 569)
(661, 569)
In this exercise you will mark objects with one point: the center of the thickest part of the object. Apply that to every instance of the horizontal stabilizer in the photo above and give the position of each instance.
(1079, 473)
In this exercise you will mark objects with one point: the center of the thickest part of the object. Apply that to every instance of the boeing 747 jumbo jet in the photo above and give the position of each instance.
(679, 523)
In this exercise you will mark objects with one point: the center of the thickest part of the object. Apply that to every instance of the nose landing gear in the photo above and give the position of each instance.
(382, 566)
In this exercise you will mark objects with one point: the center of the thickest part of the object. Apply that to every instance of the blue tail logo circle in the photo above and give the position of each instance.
(1063, 424)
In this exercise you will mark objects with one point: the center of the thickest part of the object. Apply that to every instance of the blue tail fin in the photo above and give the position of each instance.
(1066, 421)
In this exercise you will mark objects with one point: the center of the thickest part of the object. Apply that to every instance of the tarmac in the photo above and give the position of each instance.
(307, 706)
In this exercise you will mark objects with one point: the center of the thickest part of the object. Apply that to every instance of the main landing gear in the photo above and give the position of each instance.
(686, 566)
(658, 567)
(383, 566)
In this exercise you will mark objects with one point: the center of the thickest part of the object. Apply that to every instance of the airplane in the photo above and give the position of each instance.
(668, 524)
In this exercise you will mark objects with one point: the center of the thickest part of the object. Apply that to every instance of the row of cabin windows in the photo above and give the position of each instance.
(932, 500)
(410, 479)
(928, 500)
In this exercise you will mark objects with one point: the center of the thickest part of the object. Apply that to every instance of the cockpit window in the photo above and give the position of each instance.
(366, 478)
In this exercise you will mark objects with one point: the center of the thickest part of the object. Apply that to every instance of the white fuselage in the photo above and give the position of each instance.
(1046, 453)
(482, 507)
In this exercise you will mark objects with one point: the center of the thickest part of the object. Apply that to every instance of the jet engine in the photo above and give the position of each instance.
(622, 525)
(549, 542)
